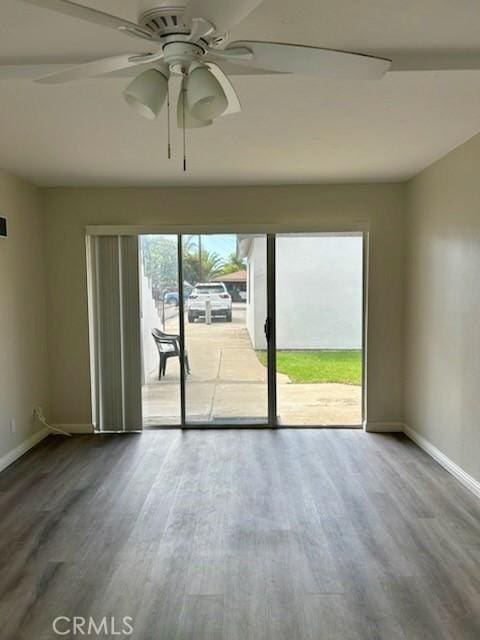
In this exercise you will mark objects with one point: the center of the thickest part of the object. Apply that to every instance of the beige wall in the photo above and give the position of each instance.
(69, 211)
(23, 333)
(442, 390)
(424, 251)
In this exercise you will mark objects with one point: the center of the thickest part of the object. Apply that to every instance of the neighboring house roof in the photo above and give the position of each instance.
(237, 276)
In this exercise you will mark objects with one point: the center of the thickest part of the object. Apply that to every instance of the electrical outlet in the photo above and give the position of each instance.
(13, 425)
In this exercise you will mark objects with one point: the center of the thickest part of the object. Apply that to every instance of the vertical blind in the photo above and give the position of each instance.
(114, 307)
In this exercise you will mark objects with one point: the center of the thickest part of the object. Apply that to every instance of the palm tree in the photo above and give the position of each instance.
(194, 272)
(233, 265)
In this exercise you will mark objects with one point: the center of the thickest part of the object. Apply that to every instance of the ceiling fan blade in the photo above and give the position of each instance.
(39, 68)
(293, 58)
(222, 14)
(76, 10)
(29, 71)
(99, 67)
(234, 105)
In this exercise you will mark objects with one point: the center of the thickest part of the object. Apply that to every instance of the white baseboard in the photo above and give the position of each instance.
(462, 476)
(76, 428)
(384, 427)
(10, 457)
(21, 449)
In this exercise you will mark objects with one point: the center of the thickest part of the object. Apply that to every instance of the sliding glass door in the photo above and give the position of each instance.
(319, 329)
(225, 308)
(160, 330)
(236, 330)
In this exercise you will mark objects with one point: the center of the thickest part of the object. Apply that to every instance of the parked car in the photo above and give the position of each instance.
(172, 297)
(217, 294)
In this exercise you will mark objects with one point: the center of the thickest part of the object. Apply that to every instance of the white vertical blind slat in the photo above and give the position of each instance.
(115, 314)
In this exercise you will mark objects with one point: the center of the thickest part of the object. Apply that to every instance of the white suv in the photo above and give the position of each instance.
(217, 294)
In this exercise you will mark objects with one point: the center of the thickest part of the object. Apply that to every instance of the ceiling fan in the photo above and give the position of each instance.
(187, 38)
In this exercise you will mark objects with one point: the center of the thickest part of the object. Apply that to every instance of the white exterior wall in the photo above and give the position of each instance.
(319, 292)
(257, 292)
(150, 320)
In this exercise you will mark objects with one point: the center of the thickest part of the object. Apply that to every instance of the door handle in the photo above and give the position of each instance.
(266, 328)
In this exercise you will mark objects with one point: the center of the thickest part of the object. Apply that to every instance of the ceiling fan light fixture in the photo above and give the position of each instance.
(206, 98)
(190, 122)
(147, 93)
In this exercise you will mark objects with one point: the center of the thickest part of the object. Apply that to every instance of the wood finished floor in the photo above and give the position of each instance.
(239, 535)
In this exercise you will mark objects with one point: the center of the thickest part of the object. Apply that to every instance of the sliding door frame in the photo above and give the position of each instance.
(271, 330)
(271, 233)
(363, 231)
(365, 308)
(181, 319)
(270, 421)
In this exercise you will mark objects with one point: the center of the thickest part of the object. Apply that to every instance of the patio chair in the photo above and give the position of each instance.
(168, 345)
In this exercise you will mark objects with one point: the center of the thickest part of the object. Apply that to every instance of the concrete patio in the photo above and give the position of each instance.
(228, 384)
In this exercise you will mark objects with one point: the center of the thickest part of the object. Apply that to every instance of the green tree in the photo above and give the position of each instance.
(211, 265)
(233, 265)
(160, 261)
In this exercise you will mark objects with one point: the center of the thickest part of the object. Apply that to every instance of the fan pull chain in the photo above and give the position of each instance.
(183, 126)
(169, 124)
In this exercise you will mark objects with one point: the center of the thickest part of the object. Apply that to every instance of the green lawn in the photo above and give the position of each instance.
(344, 367)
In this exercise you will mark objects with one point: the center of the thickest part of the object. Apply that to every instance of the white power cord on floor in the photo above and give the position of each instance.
(38, 415)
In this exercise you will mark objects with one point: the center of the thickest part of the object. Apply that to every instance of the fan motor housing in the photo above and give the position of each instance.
(162, 17)
(180, 55)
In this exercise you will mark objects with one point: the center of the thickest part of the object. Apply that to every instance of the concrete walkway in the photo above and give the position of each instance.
(229, 384)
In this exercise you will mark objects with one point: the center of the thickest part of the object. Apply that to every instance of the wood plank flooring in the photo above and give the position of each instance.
(239, 535)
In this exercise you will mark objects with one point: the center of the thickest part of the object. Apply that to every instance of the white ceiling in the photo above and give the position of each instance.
(293, 129)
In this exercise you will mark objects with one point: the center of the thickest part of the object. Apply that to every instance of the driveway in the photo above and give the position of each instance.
(228, 384)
